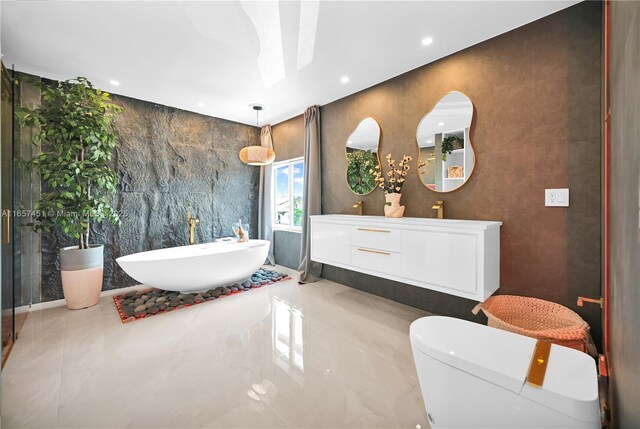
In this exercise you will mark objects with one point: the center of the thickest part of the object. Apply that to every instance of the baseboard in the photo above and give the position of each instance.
(61, 303)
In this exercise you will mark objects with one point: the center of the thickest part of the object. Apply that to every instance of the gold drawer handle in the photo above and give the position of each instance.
(375, 251)
(372, 230)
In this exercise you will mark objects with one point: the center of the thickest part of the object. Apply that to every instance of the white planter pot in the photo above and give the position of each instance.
(82, 275)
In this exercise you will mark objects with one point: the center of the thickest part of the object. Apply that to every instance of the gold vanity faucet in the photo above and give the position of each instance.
(192, 227)
(360, 206)
(439, 205)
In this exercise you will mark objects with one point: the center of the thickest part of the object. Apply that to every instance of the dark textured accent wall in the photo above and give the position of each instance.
(625, 213)
(168, 160)
(288, 143)
(537, 95)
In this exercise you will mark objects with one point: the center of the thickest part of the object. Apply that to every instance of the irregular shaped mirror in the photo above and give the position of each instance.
(362, 156)
(446, 158)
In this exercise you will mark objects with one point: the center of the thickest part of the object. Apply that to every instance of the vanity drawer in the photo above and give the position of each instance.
(329, 242)
(376, 238)
(376, 260)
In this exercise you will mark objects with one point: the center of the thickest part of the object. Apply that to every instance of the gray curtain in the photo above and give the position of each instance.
(311, 205)
(265, 201)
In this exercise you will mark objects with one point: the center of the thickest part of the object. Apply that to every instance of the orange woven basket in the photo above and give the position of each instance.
(537, 318)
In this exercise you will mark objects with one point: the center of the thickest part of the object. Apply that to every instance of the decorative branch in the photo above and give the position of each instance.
(395, 179)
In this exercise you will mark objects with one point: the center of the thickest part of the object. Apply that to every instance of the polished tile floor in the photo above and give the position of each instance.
(320, 355)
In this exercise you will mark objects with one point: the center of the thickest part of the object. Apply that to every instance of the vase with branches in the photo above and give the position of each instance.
(391, 183)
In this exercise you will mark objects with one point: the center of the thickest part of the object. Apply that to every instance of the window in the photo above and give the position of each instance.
(288, 178)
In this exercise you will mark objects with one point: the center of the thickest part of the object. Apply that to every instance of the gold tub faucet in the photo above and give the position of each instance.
(439, 205)
(192, 227)
(360, 206)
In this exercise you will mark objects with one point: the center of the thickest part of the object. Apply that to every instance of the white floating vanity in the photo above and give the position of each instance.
(458, 257)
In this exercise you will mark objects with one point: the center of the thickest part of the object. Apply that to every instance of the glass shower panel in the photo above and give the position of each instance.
(6, 204)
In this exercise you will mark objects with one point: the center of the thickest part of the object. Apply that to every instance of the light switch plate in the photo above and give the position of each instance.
(556, 197)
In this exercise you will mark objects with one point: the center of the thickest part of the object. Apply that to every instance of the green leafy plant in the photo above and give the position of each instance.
(359, 176)
(447, 145)
(77, 137)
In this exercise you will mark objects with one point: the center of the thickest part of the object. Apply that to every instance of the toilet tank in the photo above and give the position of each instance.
(474, 376)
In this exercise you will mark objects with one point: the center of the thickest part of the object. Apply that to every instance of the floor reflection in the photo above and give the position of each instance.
(244, 361)
(287, 338)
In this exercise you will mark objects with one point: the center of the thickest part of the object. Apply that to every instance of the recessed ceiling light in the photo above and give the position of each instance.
(114, 82)
(429, 141)
(440, 124)
(200, 104)
(427, 41)
(344, 79)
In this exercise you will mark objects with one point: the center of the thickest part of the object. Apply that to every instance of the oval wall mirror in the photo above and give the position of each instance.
(362, 156)
(445, 155)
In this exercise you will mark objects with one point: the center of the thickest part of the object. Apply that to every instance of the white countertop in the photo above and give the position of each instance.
(415, 221)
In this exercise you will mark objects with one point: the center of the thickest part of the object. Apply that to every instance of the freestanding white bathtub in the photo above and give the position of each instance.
(198, 267)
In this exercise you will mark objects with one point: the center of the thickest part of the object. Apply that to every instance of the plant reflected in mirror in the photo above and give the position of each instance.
(359, 165)
(445, 156)
(362, 156)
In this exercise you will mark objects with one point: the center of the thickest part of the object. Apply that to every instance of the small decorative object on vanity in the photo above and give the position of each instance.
(75, 163)
(393, 208)
(392, 184)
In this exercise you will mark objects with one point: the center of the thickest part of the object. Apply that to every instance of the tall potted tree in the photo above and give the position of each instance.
(77, 137)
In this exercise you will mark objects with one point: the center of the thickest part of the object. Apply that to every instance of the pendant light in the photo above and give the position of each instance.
(257, 155)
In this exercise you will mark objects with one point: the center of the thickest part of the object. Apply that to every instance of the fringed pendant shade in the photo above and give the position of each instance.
(257, 155)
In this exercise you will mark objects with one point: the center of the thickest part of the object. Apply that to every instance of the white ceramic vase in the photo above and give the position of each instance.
(82, 275)
(393, 207)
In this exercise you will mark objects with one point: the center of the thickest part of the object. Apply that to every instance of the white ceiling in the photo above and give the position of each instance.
(226, 55)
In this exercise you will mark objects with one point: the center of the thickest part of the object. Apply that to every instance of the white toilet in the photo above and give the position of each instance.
(474, 376)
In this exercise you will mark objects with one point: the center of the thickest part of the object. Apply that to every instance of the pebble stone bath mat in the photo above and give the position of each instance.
(146, 303)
